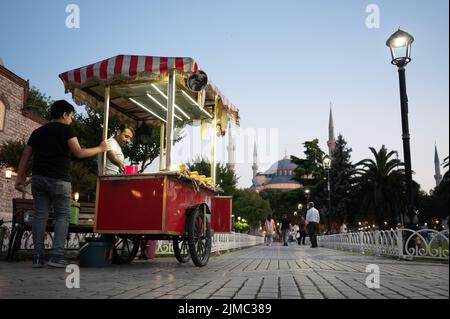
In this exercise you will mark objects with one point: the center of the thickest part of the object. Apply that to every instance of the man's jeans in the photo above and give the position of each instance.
(49, 192)
(285, 236)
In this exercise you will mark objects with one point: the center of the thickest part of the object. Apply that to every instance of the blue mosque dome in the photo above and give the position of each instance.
(278, 176)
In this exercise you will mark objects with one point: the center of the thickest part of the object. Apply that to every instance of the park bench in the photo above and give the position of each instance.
(22, 221)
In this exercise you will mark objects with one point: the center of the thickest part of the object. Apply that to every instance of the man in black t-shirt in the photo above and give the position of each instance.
(51, 146)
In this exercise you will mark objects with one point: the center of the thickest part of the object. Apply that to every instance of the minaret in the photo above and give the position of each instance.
(331, 140)
(437, 167)
(231, 148)
(255, 162)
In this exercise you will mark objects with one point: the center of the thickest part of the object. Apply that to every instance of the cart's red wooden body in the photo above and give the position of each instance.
(155, 204)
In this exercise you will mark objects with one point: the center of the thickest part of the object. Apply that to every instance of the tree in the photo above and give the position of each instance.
(200, 165)
(310, 170)
(380, 186)
(341, 173)
(436, 205)
(10, 154)
(284, 202)
(144, 153)
(249, 205)
(38, 103)
(273, 197)
(225, 178)
(311, 173)
(444, 183)
(89, 127)
(83, 181)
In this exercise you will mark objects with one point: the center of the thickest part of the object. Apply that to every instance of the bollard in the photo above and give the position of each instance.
(400, 243)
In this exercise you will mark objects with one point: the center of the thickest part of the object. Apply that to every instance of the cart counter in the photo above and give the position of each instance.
(155, 203)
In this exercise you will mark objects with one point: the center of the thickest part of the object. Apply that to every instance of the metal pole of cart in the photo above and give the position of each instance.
(105, 125)
(213, 140)
(161, 147)
(170, 113)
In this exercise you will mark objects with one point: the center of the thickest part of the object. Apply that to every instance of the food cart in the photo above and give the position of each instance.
(172, 203)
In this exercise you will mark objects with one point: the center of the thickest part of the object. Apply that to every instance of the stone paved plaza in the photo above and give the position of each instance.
(261, 272)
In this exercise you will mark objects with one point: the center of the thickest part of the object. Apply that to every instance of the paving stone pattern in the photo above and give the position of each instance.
(260, 272)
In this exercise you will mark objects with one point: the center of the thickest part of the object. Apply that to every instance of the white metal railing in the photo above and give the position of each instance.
(403, 243)
(220, 242)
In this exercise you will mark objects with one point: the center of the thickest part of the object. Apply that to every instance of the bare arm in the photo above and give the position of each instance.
(23, 166)
(113, 159)
(77, 151)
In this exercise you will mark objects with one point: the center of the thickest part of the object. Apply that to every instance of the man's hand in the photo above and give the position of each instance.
(103, 146)
(20, 184)
(23, 165)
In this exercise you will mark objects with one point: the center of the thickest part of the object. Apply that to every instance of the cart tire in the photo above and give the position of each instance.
(125, 249)
(199, 239)
(181, 249)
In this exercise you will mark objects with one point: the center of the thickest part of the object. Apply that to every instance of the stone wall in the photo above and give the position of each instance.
(18, 125)
(7, 193)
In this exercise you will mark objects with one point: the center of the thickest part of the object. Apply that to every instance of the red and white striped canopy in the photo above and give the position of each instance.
(126, 67)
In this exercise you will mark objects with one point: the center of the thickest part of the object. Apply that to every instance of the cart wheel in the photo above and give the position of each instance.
(181, 249)
(199, 238)
(125, 249)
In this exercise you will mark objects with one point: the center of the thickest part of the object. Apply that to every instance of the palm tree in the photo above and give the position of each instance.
(381, 184)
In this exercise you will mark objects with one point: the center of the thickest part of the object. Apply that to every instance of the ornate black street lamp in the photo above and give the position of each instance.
(400, 45)
(307, 192)
(327, 167)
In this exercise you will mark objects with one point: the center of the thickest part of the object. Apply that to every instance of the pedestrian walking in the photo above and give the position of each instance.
(343, 228)
(312, 222)
(270, 230)
(302, 231)
(285, 229)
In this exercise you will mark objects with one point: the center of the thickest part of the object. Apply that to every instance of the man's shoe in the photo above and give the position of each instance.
(38, 261)
(58, 262)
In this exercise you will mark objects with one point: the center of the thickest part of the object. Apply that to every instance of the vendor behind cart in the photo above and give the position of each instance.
(115, 160)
